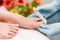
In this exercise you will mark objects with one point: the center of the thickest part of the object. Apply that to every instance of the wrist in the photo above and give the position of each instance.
(18, 19)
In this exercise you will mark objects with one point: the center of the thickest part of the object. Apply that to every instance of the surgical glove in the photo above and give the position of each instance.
(57, 3)
(51, 29)
(48, 9)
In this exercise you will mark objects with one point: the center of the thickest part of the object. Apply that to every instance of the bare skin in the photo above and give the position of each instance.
(7, 30)
(22, 21)
(13, 18)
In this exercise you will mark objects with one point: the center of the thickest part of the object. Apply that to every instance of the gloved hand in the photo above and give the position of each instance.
(51, 29)
(57, 4)
(49, 9)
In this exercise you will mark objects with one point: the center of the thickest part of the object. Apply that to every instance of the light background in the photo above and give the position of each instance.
(45, 1)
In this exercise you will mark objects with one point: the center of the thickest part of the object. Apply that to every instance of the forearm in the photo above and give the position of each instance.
(12, 18)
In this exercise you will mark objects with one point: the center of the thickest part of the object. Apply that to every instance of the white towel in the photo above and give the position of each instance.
(24, 34)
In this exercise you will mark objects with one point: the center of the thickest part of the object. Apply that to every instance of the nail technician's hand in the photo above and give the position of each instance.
(8, 30)
(49, 9)
(50, 30)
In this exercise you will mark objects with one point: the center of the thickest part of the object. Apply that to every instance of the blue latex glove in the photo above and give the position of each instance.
(51, 29)
(57, 3)
(49, 9)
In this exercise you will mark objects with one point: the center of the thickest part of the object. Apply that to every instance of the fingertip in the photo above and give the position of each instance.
(43, 30)
(44, 26)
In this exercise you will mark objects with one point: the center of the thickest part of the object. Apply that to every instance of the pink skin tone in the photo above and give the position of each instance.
(22, 21)
(7, 30)
(13, 18)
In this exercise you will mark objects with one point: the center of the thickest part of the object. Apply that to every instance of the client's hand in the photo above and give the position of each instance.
(7, 30)
(10, 17)
(32, 23)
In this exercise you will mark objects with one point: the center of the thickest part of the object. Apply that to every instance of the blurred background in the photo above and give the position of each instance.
(45, 1)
